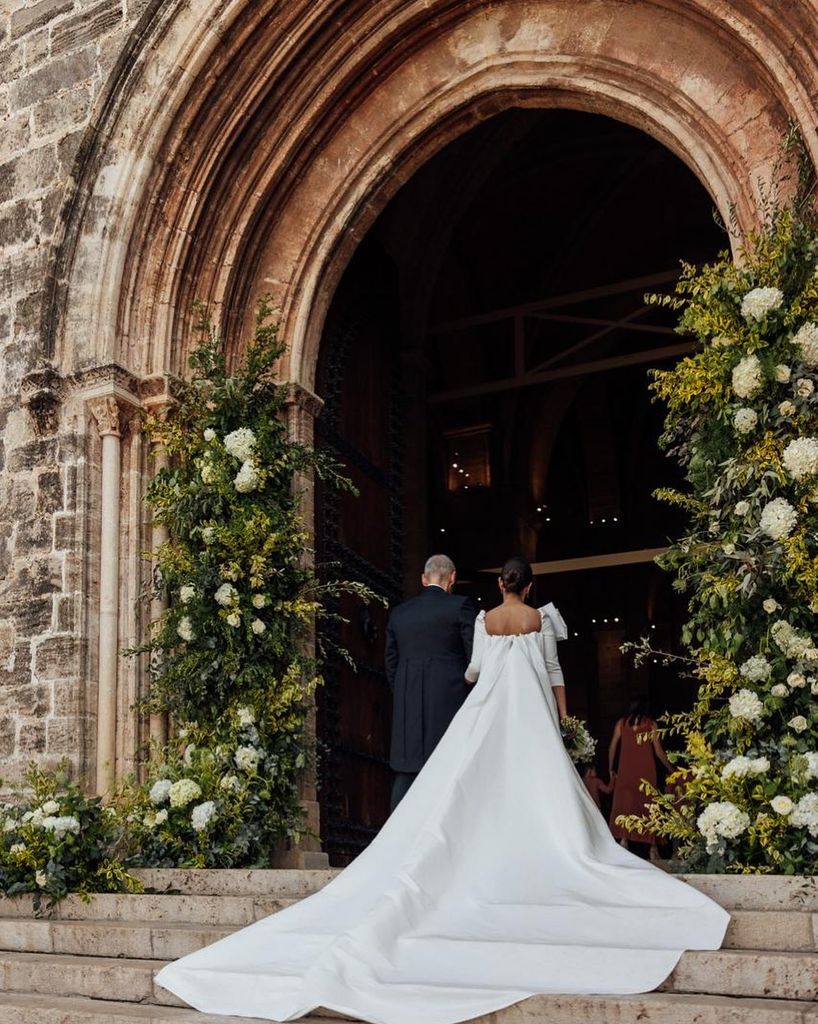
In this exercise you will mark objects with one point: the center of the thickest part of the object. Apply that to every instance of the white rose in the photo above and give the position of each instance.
(226, 595)
(187, 593)
(778, 518)
(160, 817)
(813, 687)
(799, 723)
(258, 627)
(806, 339)
(40, 879)
(804, 387)
(234, 619)
(259, 600)
(241, 443)
(781, 804)
(747, 377)
(745, 420)
(771, 605)
(185, 628)
(745, 705)
(247, 478)
(758, 302)
(800, 457)
(779, 690)
(742, 508)
(796, 680)
(210, 434)
(782, 373)
(786, 409)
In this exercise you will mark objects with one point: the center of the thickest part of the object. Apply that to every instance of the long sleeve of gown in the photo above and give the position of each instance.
(548, 638)
(473, 671)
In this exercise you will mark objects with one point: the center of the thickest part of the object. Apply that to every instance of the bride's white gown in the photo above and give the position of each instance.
(495, 879)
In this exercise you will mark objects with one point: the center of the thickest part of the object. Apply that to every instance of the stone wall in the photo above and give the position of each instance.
(55, 60)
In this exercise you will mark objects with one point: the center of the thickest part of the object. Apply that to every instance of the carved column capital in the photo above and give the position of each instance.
(41, 392)
(106, 411)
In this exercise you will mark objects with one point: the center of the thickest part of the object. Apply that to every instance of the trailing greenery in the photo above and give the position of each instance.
(743, 421)
(243, 593)
(54, 840)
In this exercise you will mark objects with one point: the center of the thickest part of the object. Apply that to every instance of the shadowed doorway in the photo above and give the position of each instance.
(485, 372)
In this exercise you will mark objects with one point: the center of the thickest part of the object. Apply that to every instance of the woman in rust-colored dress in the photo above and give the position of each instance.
(635, 736)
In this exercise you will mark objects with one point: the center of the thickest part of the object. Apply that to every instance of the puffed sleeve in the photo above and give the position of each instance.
(553, 629)
(473, 671)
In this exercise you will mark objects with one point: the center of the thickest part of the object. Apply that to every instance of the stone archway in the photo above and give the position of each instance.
(250, 151)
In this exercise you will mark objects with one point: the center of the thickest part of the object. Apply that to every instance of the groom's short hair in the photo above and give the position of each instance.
(437, 566)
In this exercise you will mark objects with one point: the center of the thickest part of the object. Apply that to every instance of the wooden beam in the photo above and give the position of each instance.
(591, 562)
(653, 355)
(507, 312)
(560, 357)
(622, 324)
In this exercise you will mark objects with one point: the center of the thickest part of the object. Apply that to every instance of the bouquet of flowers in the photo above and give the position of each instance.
(579, 743)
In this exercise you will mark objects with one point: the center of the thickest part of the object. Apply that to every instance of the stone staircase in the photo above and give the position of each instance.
(94, 963)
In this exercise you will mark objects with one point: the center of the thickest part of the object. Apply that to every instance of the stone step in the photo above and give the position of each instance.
(279, 883)
(759, 892)
(654, 1007)
(166, 938)
(747, 972)
(215, 910)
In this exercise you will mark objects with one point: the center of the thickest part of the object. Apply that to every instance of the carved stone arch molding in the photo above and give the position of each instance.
(248, 150)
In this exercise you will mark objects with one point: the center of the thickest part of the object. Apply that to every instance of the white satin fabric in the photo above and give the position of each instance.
(495, 879)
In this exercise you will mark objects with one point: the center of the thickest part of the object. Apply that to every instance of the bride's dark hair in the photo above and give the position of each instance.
(516, 574)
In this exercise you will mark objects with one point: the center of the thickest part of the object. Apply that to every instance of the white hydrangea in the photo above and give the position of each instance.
(805, 814)
(779, 690)
(783, 373)
(247, 478)
(210, 434)
(747, 377)
(804, 387)
(61, 826)
(241, 443)
(742, 508)
(187, 757)
(226, 595)
(230, 783)
(258, 627)
(790, 642)
(758, 302)
(17, 848)
(781, 804)
(806, 339)
(800, 457)
(745, 420)
(778, 518)
(259, 600)
(209, 534)
(202, 815)
(208, 471)
(160, 791)
(798, 724)
(181, 793)
(812, 764)
(234, 619)
(741, 766)
(744, 704)
(50, 807)
(786, 408)
(185, 628)
(722, 820)
(187, 593)
(10, 824)
(246, 758)
(757, 669)
(246, 716)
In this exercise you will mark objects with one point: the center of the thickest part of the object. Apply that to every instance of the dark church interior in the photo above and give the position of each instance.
(485, 369)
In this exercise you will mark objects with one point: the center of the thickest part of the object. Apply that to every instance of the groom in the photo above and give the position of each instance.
(428, 646)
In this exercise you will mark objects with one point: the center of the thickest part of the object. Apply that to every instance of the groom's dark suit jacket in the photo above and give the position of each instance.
(428, 645)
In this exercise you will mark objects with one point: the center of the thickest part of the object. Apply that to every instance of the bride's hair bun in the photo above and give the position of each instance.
(516, 574)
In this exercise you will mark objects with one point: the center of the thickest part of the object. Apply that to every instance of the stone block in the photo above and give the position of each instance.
(270, 883)
(27, 19)
(11, 61)
(63, 736)
(31, 699)
(30, 172)
(33, 454)
(86, 26)
(15, 134)
(27, 314)
(49, 492)
(37, 48)
(31, 737)
(67, 149)
(32, 615)
(65, 613)
(66, 698)
(15, 669)
(56, 657)
(62, 114)
(53, 78)
(64, 532)
(755, 973)
(18, 223)
(7, 740)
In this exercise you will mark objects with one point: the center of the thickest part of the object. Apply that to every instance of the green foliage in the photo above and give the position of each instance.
(749, 561)
(54, 840)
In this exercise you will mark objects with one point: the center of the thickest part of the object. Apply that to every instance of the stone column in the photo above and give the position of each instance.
(106, 412)
(301, 410)
(159, 603)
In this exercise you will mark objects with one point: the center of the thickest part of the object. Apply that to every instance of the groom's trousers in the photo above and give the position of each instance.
(400, 787)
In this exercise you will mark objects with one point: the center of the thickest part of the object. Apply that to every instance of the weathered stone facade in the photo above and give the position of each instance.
(157, 151)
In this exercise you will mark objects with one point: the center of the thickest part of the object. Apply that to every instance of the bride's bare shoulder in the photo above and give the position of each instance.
(503, 621)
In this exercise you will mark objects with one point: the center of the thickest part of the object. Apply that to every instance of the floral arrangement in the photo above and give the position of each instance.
(216, 797)
(579, 743)
(55, 840)
(244, 595)
(743, 421)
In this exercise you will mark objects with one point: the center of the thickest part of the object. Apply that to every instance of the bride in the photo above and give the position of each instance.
(495, 879)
